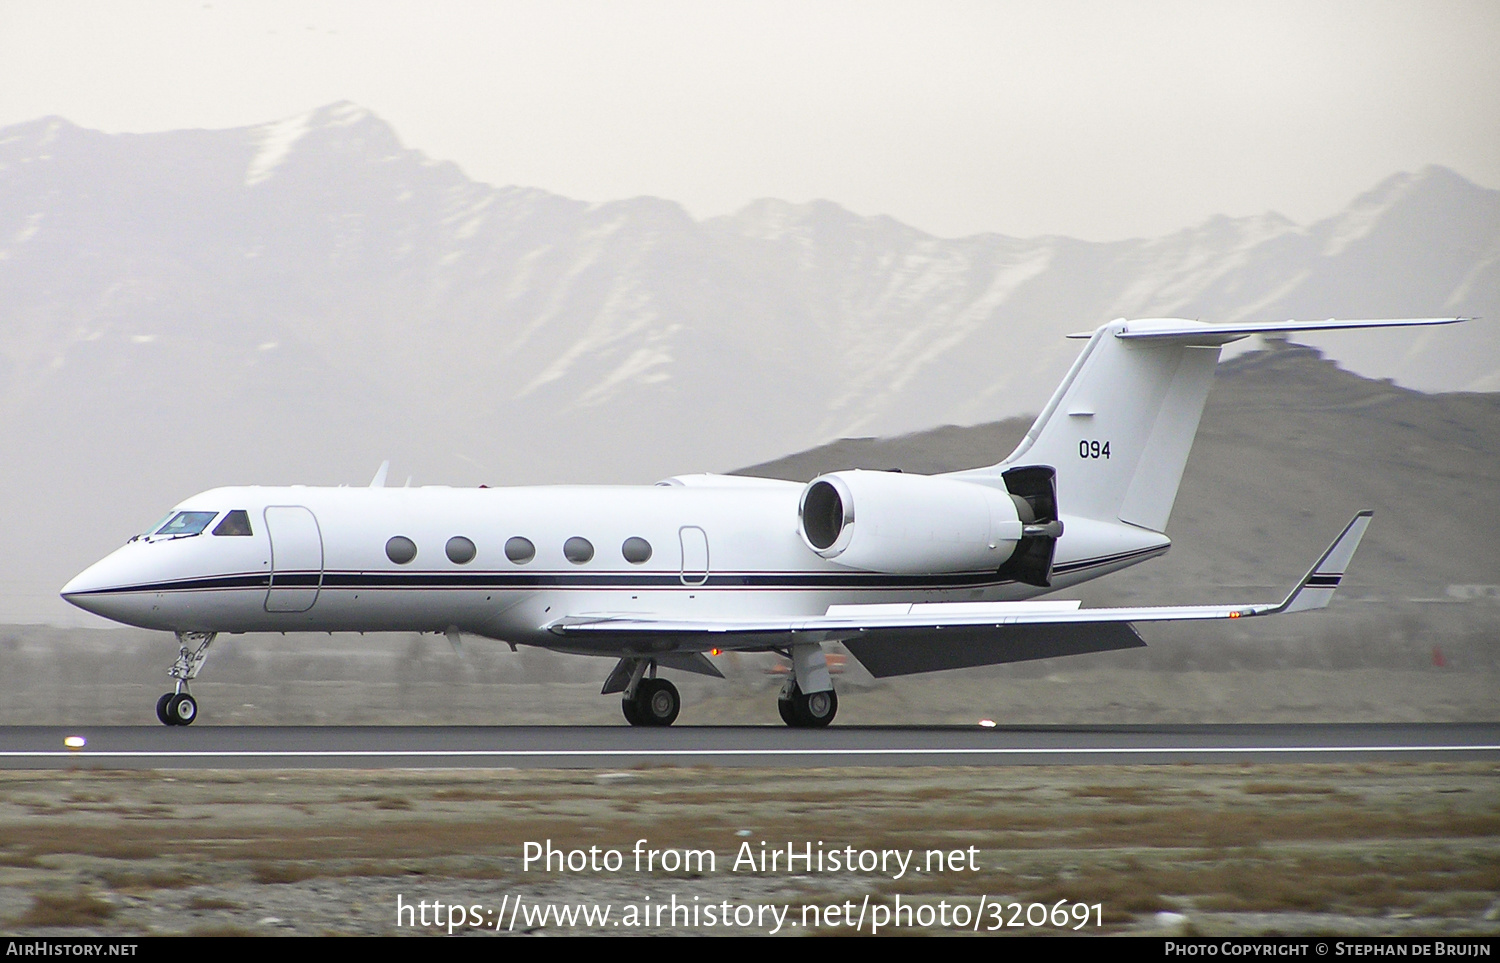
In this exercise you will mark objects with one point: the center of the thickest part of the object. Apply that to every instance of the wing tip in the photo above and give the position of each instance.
(1316, 588)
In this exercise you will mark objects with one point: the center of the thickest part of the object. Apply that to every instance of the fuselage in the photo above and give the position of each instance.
(506, 563)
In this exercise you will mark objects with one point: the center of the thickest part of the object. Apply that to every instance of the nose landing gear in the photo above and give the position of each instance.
(178, 707)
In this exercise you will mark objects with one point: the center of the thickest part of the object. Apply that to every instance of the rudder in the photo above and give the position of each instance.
(1120, 426)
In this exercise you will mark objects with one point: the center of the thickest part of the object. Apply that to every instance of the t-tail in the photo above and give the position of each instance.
(1119, 428)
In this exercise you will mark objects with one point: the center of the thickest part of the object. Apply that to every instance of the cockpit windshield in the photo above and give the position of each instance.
(152, 530)
(185, 523)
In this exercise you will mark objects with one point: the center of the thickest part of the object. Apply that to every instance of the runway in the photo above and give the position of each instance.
(577, 747)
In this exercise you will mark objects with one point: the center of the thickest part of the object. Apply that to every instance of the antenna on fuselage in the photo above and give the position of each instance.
(379, 480)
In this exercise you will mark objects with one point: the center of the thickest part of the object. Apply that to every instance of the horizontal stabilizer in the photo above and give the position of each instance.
(1199, 332)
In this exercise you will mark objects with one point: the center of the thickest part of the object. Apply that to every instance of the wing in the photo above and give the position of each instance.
(903, 638)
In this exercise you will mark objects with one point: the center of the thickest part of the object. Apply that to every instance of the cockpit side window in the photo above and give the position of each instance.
(236, 522)
(185, 523)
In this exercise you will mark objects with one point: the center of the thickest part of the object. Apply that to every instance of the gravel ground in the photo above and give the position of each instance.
(1402, 849)
(1396, 849)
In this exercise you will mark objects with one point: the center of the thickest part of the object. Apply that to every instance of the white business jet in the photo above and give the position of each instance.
(912, 573)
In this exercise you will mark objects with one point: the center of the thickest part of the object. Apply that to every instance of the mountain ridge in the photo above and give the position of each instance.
(170, 327)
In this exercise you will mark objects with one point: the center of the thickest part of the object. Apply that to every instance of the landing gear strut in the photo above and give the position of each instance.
(178, 707)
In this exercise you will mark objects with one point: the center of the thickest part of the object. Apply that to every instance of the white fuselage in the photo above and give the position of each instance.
(316, 559)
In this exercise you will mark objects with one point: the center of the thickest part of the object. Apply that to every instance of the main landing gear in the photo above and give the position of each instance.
(807, 699)
(655, 703)
(646, 700)
(806, 710)
(178, 707)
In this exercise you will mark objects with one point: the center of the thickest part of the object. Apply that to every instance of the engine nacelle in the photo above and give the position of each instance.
(908, 524)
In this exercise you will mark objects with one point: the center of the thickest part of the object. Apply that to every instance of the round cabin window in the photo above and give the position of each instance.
(520, 550)
(637, 551)
(400, 549)
(578, 550)
(460, 550)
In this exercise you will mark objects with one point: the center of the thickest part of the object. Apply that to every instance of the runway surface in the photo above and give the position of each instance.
(577, 747)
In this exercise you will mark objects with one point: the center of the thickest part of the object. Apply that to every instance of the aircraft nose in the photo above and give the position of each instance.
(92, 589)
(80, 584)
(81, 589)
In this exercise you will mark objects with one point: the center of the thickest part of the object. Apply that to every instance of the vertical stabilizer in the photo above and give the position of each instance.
(1119, 428)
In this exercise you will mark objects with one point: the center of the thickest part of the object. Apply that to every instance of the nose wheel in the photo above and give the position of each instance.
(179, 708)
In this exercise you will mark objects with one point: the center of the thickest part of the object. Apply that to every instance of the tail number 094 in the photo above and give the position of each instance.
(1093, 449)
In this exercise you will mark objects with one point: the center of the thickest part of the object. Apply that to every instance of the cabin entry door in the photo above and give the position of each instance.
(296, 559)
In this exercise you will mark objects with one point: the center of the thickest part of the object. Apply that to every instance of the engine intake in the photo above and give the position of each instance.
(826, 514)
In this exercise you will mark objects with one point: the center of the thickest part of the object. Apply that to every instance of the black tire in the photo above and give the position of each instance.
(803, 711)
(161, 709)
(657, 702)
(182, 709)
(627, 706)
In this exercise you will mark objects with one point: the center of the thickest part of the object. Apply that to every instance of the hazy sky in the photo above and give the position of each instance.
(1099, 120)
